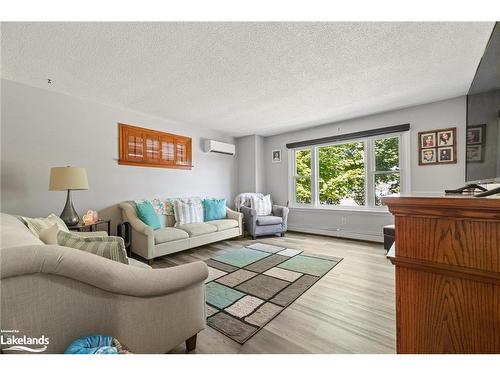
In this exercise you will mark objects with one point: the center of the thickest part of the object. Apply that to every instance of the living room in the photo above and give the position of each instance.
(251, 187)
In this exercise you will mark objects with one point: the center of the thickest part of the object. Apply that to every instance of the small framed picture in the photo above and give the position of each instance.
(437, 146)
(445, 138)
(276, 156)
(475, 134)
(475, 153)
(428, 140)
(428, 156)
(445, 155)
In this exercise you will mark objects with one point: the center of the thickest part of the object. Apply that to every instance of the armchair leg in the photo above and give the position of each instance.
(151, 261)
(283, 234)
(254, 238)
(191, 344)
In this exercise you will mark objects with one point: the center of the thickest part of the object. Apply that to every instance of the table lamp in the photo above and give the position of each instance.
(68, 178)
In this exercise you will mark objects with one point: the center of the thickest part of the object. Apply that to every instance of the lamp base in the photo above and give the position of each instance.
(69, 215)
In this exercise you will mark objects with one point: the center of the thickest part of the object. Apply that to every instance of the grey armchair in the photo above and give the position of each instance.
(258, 225)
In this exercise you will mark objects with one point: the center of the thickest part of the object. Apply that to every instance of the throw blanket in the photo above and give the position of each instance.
(244, 199)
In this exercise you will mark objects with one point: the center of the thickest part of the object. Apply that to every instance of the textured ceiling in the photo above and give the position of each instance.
(248, 78)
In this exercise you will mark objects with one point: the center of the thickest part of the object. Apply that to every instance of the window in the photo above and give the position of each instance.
(151, 148)
(356, 173)
(386, 173)
(303, 176)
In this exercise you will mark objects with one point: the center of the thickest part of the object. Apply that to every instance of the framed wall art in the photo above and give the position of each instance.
(475, 143)
(437, 147)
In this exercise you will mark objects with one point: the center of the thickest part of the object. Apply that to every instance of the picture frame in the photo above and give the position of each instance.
(437, 147)
(475, 153)
(475, 134)
(428, 139)
(276, 156)
(445, 155)
(428, 156)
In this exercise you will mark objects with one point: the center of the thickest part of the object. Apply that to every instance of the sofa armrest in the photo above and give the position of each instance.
(136, 223)
(280, 211)
(100, 272)
(250, 219)
(238, 216)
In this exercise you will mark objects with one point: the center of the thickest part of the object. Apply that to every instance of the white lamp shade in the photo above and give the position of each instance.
(68, 178)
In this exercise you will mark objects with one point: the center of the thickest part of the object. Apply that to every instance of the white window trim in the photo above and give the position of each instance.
(404, 173)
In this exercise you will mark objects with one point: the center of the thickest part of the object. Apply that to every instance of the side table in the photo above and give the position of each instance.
(82, 227)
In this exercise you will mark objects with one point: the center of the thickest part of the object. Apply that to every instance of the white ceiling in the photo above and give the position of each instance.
(248, 78)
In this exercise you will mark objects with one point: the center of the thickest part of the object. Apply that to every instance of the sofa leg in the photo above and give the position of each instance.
(283, 234)
(191, 344)
(151, 261)
(254, 238)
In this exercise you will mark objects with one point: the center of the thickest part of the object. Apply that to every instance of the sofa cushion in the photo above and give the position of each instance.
(188, 211)
(147, 214)
(214, 209)
(223, 224)
(169, 234)
(198, 229)
(269, 220)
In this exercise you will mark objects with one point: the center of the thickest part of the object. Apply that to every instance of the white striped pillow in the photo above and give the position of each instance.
(263, 205)
(188, 211)
(37, 225)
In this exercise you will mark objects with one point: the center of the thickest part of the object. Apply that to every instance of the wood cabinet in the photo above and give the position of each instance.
(447, 258)
(151, 148)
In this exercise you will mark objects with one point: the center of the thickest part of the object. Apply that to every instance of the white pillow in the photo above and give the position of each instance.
(263, 206)
(188, 211)
(49, 235)
(36, 225)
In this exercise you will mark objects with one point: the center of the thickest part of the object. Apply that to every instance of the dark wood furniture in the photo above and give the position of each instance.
(447, 258)
(152, 148)
(82, 227)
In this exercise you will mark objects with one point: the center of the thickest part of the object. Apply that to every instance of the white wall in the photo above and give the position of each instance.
(428, 179)
(42, 129)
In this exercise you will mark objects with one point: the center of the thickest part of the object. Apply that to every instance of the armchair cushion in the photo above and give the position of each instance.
(263, 205)
(108, 247)
(268, 220)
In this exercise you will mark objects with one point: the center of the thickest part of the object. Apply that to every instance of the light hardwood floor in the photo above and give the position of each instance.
(350, 310)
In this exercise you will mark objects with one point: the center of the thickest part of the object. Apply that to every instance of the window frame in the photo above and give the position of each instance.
(370, 172)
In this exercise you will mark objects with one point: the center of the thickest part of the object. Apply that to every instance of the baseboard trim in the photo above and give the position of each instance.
(374, 237)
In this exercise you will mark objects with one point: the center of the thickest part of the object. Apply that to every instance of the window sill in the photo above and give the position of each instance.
(360, 210)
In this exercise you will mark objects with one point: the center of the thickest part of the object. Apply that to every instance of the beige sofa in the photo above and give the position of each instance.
(150, 244)
(63, 293)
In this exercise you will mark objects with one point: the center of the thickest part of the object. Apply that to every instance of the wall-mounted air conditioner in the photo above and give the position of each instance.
(219, 147)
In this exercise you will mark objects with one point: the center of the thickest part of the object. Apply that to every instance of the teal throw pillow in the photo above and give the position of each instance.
(214, 209)
(147, 214)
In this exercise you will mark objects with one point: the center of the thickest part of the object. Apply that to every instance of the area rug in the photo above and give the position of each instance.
(248, 287)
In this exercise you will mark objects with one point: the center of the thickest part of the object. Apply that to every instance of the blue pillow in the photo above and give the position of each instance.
(214, 209)
(98, 344)
(147, 214)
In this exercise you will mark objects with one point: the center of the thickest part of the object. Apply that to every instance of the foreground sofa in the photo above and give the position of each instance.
(150, 244)
(63, 293)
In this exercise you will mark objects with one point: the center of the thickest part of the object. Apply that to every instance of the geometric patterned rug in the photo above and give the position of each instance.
(248, 287)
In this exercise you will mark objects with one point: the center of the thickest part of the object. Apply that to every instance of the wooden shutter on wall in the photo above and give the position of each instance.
(152, 148)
